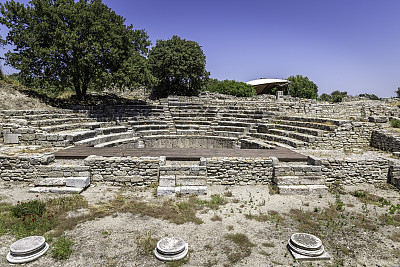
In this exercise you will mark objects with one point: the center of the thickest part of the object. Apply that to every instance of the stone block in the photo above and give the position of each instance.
(78, 182)
(10, 138)
(165, 191)
(167, 181)
(191, 181)
(50, 182)
(198, 190)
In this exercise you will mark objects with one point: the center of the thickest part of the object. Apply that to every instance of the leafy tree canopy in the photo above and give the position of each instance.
(334, 97)
(229, 87)
(78, 44)
(179, 65)
(398, 92)
(302, 87)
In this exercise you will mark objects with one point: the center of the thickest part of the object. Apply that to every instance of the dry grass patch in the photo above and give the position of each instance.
(242, 249)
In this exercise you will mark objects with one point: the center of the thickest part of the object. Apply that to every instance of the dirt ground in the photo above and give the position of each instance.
(112, 240)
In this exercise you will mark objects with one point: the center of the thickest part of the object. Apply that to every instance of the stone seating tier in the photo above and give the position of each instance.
(38, 117)
(294, 135)
(145, 122)
(315, 120)
(305, 124)
(153, 132)
(147, 127)
(279, 140)
(127, 142)
(99, 139)
(315, 132)
(73, 126)
(191, 132)
(235, 123)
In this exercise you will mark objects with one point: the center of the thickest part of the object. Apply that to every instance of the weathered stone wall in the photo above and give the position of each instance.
(180, 141)
(353, 171)
(136, 171)
(239, 171)
(347, 136)
(22, 168)
(394, 175)
(385, 140)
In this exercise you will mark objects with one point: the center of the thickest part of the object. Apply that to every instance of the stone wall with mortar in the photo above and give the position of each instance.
(135, 171)
(353, 171)
(239, 171)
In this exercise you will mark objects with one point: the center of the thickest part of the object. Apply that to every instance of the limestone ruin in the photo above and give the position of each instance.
(210, 121)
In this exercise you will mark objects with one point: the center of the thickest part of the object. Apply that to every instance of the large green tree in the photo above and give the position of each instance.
(179, 65)
(80, 44)
(302, 87)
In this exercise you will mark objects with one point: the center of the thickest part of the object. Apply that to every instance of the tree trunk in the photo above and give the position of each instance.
(78, 91)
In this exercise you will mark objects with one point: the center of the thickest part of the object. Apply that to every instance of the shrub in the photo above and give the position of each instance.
(22, 209)
(62, 249)
(230, 87)
(369, 96)
(395, 123)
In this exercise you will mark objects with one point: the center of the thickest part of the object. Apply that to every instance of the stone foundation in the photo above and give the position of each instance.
(239, 171)
(353, 171)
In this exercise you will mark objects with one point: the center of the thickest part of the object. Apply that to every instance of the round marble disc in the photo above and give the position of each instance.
(175, 257)
(27, 245)
(310, 253)
(22, 259)
(306, 241)
(171, 246)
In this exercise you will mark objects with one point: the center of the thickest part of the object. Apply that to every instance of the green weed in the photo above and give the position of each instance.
(145, 243)
(62, 249)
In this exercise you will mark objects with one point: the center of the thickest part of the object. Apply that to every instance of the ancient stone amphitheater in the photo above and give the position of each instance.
(183, 144)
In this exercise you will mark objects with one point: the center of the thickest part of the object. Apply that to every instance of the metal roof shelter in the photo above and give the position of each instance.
(262, 85)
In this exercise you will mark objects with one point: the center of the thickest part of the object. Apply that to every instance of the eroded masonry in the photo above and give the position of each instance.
(119, 137)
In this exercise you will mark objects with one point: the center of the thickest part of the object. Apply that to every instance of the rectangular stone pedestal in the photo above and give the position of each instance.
(299, 257)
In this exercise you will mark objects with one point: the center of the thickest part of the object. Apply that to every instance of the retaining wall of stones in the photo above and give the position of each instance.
(135, 171)
(239, 171)
(394, 175)
(347, 136)
(353, 171)
(179, 141)
(21, 168)
(385, 140)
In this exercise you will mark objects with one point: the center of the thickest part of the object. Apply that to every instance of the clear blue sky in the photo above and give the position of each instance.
(346, 45)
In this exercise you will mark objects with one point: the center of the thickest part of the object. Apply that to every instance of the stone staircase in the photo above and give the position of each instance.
(62, 179)
(299, 179)
(182, 177)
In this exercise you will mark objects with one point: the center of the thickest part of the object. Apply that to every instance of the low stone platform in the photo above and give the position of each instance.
(81, 152)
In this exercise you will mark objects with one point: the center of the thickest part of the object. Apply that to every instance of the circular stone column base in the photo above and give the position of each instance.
(304, 246)
(27, 249)
(171, 249)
